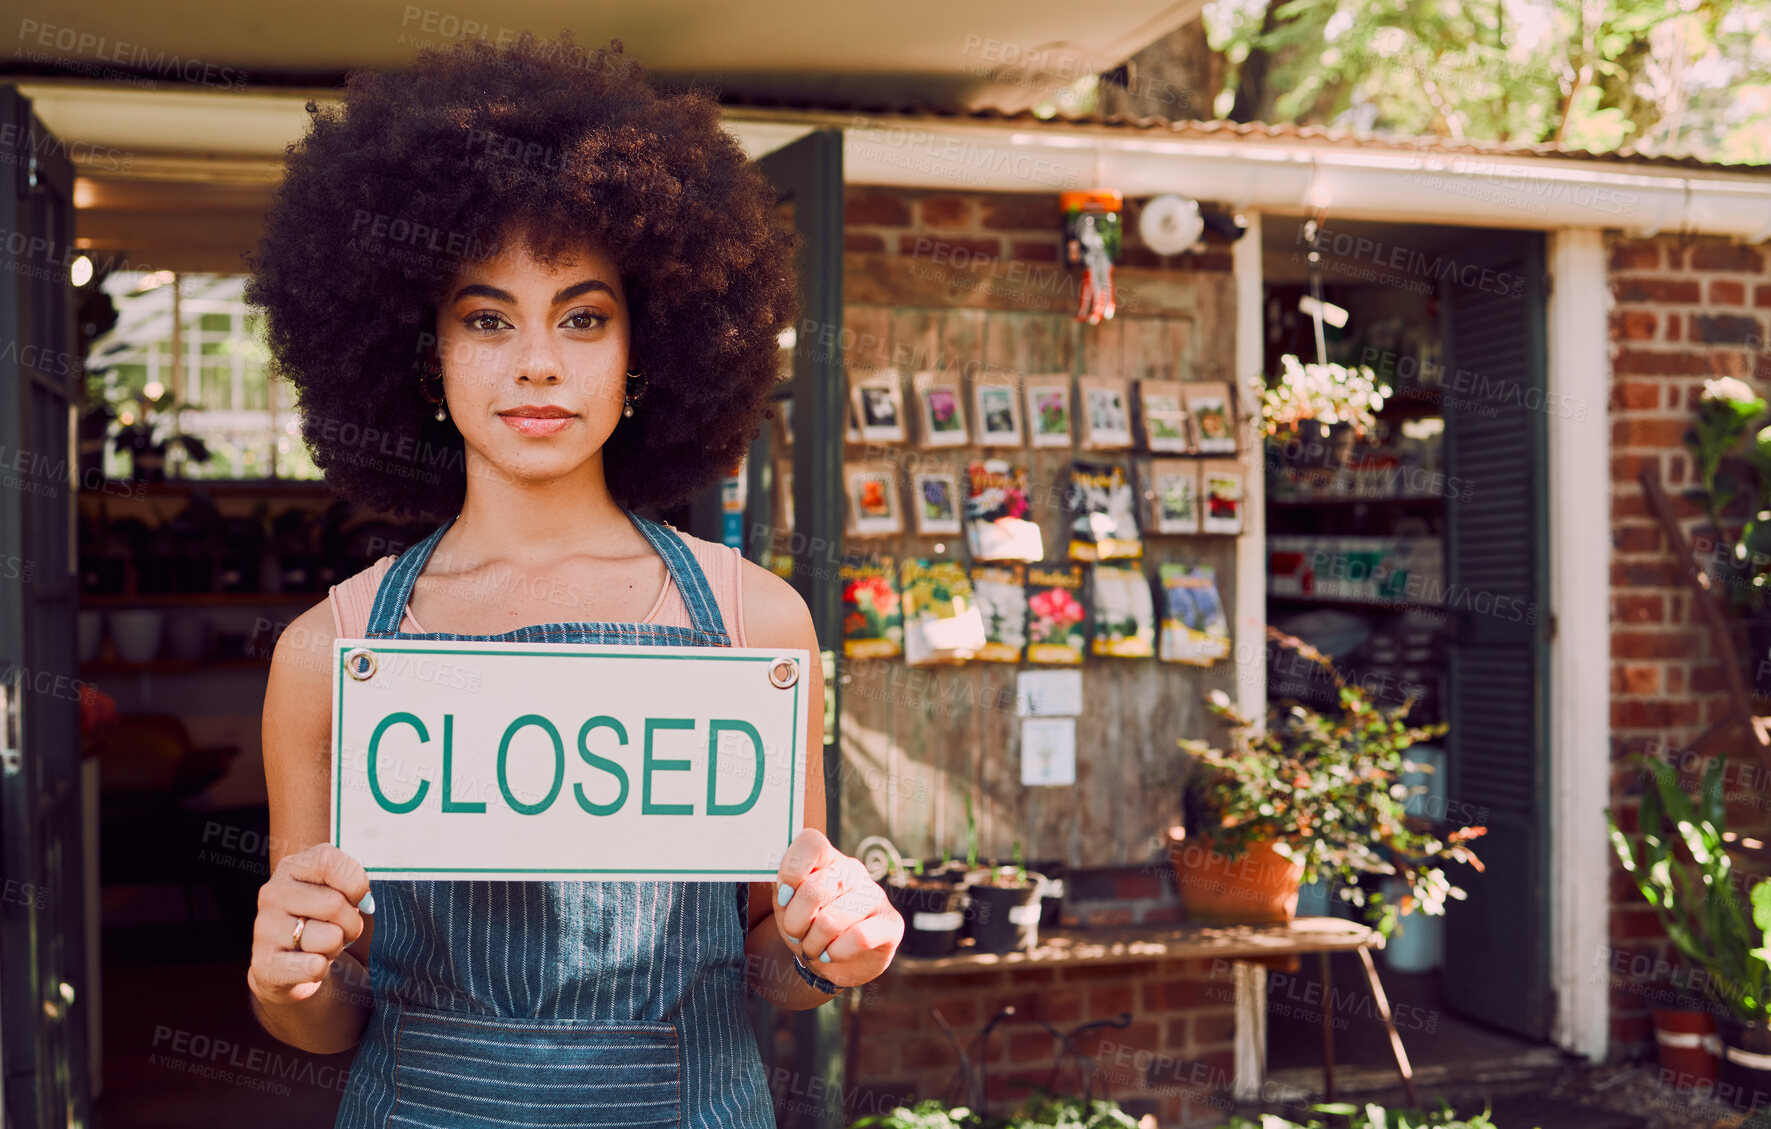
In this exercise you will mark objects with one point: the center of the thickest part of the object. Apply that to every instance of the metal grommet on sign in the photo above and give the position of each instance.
(783, 672)
(359, 663)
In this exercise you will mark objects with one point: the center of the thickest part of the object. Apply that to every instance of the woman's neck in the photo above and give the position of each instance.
(532, 520)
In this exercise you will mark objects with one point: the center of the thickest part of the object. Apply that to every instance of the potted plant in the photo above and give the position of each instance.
(933, 908)
(1005, 903)
(1681, 865)
(1311, 796)
(1726, 412)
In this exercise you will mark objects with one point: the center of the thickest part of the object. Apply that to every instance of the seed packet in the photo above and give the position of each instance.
(941, 623)
(1124, 614)
(1171, 496)
(1194, 629)
(873, 620)
(1103, 513)
(996, 514)
(1056, 633)
(1001, 595)
(1221, 495)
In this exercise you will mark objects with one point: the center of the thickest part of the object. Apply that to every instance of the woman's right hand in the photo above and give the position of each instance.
(324, 885)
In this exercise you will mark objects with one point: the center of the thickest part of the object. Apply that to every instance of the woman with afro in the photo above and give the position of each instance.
(523, 293)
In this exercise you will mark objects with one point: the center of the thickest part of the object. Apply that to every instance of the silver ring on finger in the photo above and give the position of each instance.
(295, 938)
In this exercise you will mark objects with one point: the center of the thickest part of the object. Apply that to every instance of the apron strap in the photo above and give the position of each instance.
(691, 582)
(389, 609)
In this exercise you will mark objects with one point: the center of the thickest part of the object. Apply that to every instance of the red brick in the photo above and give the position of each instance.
(897, 1016)
(1017, 212)
(862, 241)
(1177, 995)
(1661, 362)
(1212, 1028)
(958, 251)
(1638, 395)
(1626, 924)
(1174, 1034)
(1726, 255)
(1708, 679)
(1654, 715)
(1762, 295)
(1727, 292)
(1638, 608)
(1109, 1000)
(1675, 680)
(1640, 679)
(1649, 431)
(945, 211)
(1637, 289)
(1726, 329)
(875, 206)
(1030, 1046)
(927, 1051)
(1635, 254)
(1634, 325)
(1643, 574)
(1036, 251)
(1673, 332)
(1636, 538)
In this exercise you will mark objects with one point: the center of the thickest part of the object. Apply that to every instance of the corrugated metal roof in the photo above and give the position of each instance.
(1249, 131)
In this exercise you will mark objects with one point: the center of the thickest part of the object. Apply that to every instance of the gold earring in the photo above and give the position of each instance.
(432, 369)
(633, 396)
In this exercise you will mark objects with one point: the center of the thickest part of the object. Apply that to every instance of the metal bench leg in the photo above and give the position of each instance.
(1383, 1011)
(1327, 1032)
(1251, 1031)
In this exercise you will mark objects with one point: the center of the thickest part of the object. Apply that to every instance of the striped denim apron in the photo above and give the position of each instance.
(558, 1003)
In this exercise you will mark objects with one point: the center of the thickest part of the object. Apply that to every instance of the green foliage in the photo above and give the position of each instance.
(1326, 790)
(1662, 76)
(1041, 1111)
(1696, 893)
(1726, 412)
(1345, 1116)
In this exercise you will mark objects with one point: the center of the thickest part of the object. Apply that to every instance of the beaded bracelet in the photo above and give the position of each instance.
(814, 979)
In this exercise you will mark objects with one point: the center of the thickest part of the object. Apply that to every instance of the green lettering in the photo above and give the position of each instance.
(649, 764)
(401, 718)
(559, 763)
(606, 722)
(449, 803)
(714, 729)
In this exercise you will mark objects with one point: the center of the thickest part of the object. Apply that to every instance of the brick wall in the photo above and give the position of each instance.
(1173, 1060)
(983, 230)
(1682, 313)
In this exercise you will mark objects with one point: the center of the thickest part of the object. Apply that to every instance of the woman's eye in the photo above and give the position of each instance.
(480, 321)
(584, 319)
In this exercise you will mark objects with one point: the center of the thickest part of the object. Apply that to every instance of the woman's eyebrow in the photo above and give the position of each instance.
(480, 290)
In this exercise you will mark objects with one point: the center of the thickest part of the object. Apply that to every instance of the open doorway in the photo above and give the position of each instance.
(1415, 556)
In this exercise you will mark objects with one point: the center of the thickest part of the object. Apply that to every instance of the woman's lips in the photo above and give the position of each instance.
(535, 425)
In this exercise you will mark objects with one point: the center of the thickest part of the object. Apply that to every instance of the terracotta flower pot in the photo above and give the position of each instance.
(1746, 1064)
(1259, 888)
(1689, 1048)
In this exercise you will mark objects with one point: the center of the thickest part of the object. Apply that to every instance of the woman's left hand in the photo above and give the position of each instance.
(835, 916)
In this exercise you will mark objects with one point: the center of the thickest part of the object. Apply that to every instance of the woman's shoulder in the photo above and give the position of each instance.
(759, 605)
(351, 598)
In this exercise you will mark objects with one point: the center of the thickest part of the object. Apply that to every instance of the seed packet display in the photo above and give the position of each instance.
(1048, 410)
(878, 400)
(1161, 410)
(1001, 595)
(873, 618)
(996, 508)
(1214, 422)
(1194, 628)
(999, 413)
(1220, 494)
(1105, 411)
(1124, 620)
(873, 500)
(941, 622)
(1103, 513)
(935, 497)
(940, 404)
(1171, 496)
(1056, 619)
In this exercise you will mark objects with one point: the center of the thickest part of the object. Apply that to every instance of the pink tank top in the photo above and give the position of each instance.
(352, 597)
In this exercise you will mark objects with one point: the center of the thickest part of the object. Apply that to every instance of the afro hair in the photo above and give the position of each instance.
(422, 170)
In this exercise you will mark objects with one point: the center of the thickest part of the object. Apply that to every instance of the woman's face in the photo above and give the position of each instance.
(534, 359)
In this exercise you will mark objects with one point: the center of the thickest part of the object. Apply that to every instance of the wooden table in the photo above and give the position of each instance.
(1249, 947)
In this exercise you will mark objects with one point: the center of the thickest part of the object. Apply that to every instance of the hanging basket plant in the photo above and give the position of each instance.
(1323, 395)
